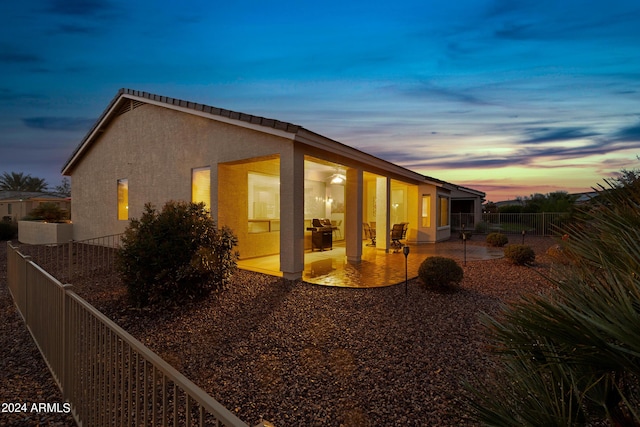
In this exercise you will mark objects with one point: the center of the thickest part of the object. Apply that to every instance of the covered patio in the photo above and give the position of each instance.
(377, 268)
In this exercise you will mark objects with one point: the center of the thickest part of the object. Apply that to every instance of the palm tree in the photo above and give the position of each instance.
(572, 357)
(20, 182)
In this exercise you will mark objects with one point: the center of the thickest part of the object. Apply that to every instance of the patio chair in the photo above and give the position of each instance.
(369, 233)
(398, 233)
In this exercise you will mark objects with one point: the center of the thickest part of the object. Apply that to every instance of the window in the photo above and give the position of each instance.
(9, 210)
(426, 210)
(123, 199)
(264, 203)
(201, 186)
(443, 218)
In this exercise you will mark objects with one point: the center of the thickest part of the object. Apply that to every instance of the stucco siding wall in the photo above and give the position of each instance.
(155, 148)
(233, 194)
(431, 233)
(42, 233)
(413, 213)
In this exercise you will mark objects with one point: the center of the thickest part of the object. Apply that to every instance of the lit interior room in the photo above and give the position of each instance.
(323, 200)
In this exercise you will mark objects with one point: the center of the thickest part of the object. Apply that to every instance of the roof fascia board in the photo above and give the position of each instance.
(326, 144)
(300, 135)
(471, 191)
(435, 183)
(211, 116)
(97, 128)
(107, 116)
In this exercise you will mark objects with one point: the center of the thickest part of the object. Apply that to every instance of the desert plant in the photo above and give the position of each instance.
(48, 211)
(497, 239)
(510, 209)
(519, 254)
(8, 230)
(558, 254)
(175, 254)
(440, 273)
(572, 357)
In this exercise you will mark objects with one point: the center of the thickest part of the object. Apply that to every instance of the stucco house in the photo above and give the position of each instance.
(264, 178)
(15, 205)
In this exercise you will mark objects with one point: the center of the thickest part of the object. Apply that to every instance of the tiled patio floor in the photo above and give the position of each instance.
(377, 268)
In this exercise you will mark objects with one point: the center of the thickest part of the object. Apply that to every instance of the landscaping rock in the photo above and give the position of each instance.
(301, 354)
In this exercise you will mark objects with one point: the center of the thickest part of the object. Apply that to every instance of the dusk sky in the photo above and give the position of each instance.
(508, 97)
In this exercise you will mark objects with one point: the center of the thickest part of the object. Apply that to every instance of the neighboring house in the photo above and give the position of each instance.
(264, 178)
(15, 205)
(585, 197)
(513, 202)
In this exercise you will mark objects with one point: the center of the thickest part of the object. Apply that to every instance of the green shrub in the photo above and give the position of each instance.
(497, 239)
(519, 254)
(558, 254)
(48, 211)
(510, 209)
(175, 255)
(8, 230)
(440, 273)
(571, 356)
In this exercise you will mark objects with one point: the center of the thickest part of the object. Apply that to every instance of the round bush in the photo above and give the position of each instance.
(497, 239)
(440, 273)
(558, 254)
(175, 255)
(519, 254)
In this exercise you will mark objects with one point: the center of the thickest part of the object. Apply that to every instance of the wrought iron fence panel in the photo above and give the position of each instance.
(108, 376)
(538, 224)
(74, 260)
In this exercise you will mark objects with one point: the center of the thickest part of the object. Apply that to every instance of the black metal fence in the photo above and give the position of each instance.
(537, 224)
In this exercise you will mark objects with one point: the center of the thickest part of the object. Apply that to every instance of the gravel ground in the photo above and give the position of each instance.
(300, 354)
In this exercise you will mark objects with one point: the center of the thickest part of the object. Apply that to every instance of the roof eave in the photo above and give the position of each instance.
(260, 124)
(472, 191)
(316, 140)
(86, 141)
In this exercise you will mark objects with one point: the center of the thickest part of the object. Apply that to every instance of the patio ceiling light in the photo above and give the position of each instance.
(338, 178)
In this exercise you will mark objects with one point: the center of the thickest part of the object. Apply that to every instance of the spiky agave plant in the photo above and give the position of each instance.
(572, 357)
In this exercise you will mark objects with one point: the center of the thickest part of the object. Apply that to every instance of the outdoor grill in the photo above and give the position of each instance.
(321, 234)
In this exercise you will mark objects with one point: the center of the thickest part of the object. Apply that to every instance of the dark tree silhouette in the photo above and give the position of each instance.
(64, 188)
(15, 181)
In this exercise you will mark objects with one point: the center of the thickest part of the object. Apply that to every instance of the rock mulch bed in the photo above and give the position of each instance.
(301, 354)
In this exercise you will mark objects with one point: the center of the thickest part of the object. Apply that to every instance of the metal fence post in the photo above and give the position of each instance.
(24, 291)
(82, 350)
(65, 375)
(69, 272)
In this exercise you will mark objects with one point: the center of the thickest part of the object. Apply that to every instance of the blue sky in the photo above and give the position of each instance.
(509, 97)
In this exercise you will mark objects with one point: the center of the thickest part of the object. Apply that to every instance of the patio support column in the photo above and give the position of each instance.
(213, 193)
(383, 203)
(353, 212)
(292, 213)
